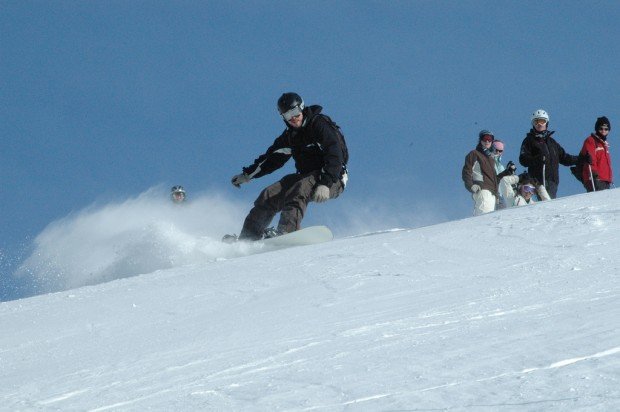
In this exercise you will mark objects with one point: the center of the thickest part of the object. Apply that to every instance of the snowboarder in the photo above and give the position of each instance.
(542, 154)
(479, 175)
(598, 175)
(318, 147)
(177, 194)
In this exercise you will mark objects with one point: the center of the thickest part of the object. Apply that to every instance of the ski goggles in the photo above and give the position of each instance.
(540, 121)
(487, 138)
(528, 189)
(289, 114)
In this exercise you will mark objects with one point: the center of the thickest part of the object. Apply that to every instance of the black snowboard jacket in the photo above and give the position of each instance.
(318, 145)
(537, 146)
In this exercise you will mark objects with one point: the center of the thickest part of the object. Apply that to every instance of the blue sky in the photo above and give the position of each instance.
(103, 100)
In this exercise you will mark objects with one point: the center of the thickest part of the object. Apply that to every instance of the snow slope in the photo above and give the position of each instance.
(515, 310)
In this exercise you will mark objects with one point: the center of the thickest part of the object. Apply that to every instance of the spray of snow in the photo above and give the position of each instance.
(149, 233)
(139, 235)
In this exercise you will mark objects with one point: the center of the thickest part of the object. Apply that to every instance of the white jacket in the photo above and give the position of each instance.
(515, 199)
(506, 192)
(521, 201)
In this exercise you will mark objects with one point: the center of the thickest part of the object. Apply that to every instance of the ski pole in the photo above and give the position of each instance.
(591, 178)
(544, 181)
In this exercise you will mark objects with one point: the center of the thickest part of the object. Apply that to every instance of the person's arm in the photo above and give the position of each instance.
(542, 193)
(526, 157)
(467, 172)
(274, 158)
(565, 158)
(589, 147)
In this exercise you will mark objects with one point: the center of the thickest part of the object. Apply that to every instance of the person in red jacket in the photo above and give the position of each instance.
(599, 173)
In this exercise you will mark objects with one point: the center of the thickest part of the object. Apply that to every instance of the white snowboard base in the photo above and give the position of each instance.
(306, 236)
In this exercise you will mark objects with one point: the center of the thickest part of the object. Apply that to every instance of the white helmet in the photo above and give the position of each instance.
(540, 114)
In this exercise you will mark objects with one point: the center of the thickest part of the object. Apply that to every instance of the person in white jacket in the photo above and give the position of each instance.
(526, 195)
(526, 189)
(509, 181)
(506, 176)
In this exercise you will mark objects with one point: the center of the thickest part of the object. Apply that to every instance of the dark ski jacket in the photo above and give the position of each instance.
(479, 168)
(318, 145)
(538, 146)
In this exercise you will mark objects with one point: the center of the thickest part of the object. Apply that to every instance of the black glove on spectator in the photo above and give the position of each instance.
(585, 158)
(512, 169)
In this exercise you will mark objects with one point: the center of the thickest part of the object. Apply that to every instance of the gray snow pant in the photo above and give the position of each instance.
(290, 196)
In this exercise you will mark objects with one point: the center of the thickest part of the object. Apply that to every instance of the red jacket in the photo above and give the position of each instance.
(601, 161)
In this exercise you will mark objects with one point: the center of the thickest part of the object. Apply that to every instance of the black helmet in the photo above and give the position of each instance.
(289, 101)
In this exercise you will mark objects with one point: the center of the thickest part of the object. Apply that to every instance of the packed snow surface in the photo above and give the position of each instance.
(514, 310)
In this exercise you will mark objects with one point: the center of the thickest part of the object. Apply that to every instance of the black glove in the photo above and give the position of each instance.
(512, 169)
(585, 158)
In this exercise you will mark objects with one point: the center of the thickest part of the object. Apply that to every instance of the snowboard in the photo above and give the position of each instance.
(302, 237)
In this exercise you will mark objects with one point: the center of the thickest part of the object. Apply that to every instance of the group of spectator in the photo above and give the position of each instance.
(494, 186)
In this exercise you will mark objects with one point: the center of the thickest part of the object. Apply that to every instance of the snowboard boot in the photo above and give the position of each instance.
(271, 232)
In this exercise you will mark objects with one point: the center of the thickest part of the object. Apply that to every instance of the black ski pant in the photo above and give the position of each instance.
(289, 196)
(598, 185)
